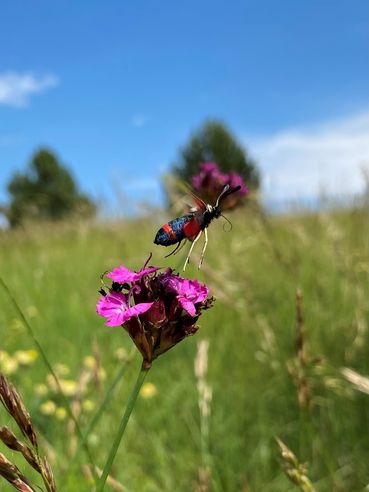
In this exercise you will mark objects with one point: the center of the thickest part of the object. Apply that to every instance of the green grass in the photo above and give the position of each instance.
(254, 272)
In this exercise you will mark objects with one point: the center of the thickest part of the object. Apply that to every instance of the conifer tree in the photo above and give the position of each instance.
(46, 190)
(214, 142)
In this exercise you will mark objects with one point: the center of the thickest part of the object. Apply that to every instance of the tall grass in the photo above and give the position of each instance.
(254, 272)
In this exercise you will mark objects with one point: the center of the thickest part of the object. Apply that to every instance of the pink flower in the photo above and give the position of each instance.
(209, 167)
(158, 311)
(234, 180)
(115, 307)
(188, 292)
(122, 275)
(210, 182)
(209, 178)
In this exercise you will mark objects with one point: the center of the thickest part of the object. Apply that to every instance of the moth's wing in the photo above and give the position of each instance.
(200, 205)
(197, 204)
(187, 202)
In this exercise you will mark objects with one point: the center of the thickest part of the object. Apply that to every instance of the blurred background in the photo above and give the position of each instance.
(115, 89)
(108, 112)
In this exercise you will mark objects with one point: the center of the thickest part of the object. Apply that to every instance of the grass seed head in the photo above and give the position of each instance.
(47, 475)
(294, 470)
(13, 475)
(12, 401)
(11, 441)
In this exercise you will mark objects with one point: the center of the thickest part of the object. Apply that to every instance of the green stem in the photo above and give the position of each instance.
(123, 424)
(107, 399)
(95, 419)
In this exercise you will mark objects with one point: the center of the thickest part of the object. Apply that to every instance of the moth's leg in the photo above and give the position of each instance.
(179, 249)
(204, 248)
(189, 253)
(175, 250)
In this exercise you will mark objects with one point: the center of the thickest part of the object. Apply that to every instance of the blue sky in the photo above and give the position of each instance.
(114, 88)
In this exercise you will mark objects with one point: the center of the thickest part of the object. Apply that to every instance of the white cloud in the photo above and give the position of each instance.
(16, 88)
(300, 164)
(139, 120)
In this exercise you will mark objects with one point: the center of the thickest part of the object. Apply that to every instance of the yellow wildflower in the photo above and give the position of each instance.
(41, 389)
(16, 324)
(60, 413)
(68, 386)
(101, 374)
(121, 354)
(3, 356)
(148, 390)
(51, 382)
(26, 357)
(48, 408)
(8, 364)
(61, 369)
(88, 405)
(90, 362)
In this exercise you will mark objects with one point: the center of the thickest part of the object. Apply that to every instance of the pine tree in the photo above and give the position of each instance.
(214, 142)
(46, 191)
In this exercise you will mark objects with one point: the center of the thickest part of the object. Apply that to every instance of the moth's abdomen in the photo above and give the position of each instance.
(172, 232)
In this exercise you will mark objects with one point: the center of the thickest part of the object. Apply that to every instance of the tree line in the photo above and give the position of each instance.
(48, 191)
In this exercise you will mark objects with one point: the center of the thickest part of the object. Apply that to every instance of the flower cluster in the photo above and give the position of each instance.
(78, 391)
(158, 310)
(210, 182)
(10, 363)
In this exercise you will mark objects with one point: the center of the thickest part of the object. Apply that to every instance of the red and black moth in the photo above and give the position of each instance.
(191, 225)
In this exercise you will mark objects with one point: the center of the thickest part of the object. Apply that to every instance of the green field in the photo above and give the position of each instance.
(254, 371)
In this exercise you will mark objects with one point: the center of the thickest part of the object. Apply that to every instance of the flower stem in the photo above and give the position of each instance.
(95, 419)
(123, 424)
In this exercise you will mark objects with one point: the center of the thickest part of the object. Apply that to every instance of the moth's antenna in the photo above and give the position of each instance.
(229, 222)
(226, 191)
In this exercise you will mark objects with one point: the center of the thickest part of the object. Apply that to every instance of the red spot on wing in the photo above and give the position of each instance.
(170, 232)
(191, 229)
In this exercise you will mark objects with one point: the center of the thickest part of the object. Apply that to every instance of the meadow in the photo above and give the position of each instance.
(275, 364)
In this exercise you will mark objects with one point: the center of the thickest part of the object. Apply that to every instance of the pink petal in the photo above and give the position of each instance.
(187, 305)
(141, 273)
(107, 305)
(209, 167)
(199, 291)
(123, 275)
(136, 310)
(196, 182)
(115, 320)
(114, 307)
(183, 287)
(236, 179)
